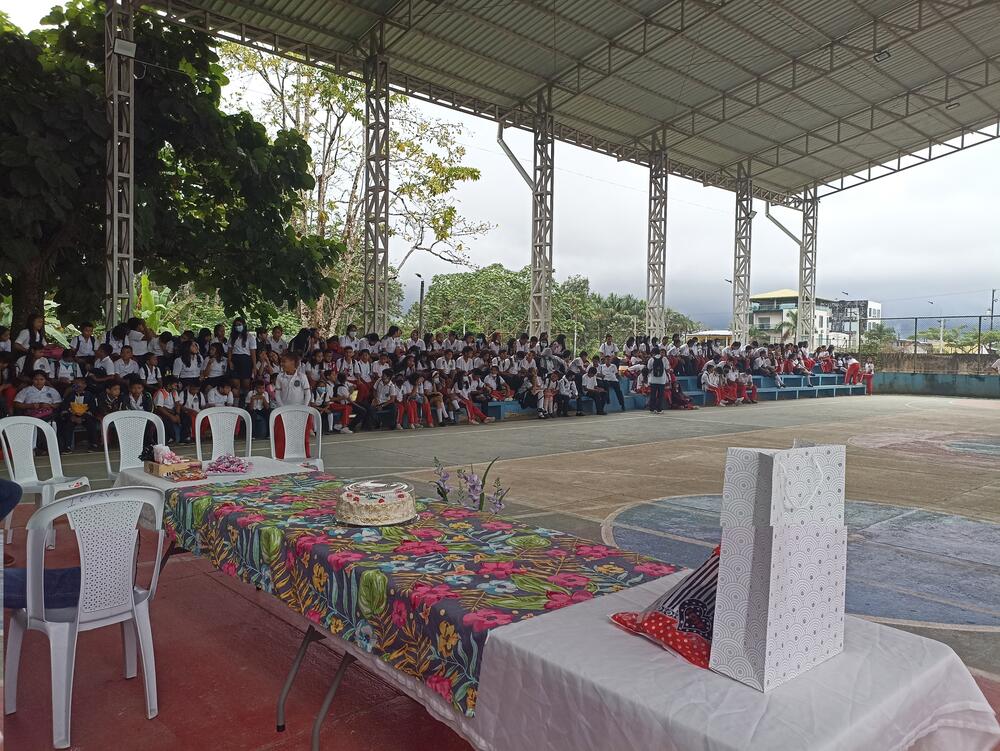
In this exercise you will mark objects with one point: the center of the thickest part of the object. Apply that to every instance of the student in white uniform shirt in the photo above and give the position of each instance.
(126, 366)
(242, 354)
(84, 345)
(166, 404)
(414, 341)
(150, 373)
(385, 395)
(5, 343)
(351, 339)
(138, 337)
(608, 347)
(219, 396)
(391, 343)
(189, 365)
(291, 388)
(276, 341)
(38, 400)
(591, 386)
(567, 393)
(103, 369)
(65, 370)
(27, 364)
(213, 371)
(608, 374)
(192, 402)
(32, 333)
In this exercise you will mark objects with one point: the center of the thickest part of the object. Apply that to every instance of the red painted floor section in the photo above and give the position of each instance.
(222, 652)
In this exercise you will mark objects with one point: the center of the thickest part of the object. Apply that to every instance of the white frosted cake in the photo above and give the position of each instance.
(376, 504)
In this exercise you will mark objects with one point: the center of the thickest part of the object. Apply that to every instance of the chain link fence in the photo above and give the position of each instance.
(918, 344)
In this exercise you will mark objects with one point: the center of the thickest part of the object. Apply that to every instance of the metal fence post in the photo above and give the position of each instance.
(979, 348)
(914, 345)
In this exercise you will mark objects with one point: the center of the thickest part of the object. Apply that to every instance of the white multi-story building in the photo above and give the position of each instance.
(771, 314)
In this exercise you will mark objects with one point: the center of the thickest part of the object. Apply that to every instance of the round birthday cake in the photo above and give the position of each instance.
(376, 504)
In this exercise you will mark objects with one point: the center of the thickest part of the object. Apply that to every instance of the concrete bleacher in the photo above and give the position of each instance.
(823, 384)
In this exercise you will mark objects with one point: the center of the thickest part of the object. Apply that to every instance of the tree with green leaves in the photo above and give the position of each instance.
(788, 325)
(879, 338)
(214, 196)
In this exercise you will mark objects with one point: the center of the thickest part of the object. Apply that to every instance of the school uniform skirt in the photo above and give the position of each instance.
(242, 367)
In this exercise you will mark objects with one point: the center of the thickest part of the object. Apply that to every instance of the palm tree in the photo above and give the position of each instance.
(789, 325)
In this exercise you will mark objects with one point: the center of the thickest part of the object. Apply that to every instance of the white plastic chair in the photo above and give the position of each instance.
(130, 426)
(223, 421)
(17, 440)
(294, 419)
(105, 522)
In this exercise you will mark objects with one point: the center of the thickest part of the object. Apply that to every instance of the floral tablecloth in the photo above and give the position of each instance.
(422, 596)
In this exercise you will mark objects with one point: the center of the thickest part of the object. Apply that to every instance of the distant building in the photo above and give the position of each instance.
(770, 310)
(852, 316)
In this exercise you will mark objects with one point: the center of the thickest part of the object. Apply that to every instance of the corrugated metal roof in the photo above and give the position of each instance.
(806, 90)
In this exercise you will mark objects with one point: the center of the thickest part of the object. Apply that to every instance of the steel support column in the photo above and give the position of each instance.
(540, 311)
(807, 269)
(741, 255)
(656, 246)
(119, 89)
(375, 297)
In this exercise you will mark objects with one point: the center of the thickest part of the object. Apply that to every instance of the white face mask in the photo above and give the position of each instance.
(351, 332)
(238, 329)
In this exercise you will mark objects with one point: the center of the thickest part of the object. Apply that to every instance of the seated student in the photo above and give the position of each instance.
(730, 379)
(116, 339)
(567, 393)
(126, 365)
(150, 373)
(463, 393)
(166, 404)
(220, 396)
(78, 411)
(108, 400)
(746, 389)
(213, 371)
(33, 360)
(7, 388)
(189, 365)
(192, 401)
(258, 404)
(549, 394)
(590, 385)
(479, 392)
(439, 399)
(608, 347)
(5, 344)
(83, 346)
(38, 400)
(385, 396)
(712, 383)
(65, 371)
(102, 371)
(406, 404)
(422, 391)
(641, 379)
(163, 347)
(675, 396)
(137, 398)
(608, 374)
(322, 392)
(498, 388)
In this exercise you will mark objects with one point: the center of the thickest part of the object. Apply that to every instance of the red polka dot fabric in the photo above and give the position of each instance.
(681, 620)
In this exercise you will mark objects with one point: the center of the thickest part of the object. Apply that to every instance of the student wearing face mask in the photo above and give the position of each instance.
(242, 354)
(351, 339)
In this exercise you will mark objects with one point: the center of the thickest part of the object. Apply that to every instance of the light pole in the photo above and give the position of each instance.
(855, 316)
(940, 330)
(420, 309)
(993, 302)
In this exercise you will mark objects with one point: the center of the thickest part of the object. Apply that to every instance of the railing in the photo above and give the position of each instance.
(943, 344)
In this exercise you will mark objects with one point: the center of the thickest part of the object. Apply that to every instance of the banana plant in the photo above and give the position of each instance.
(154, 306)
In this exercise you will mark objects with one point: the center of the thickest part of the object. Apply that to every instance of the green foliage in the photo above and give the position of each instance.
(495, 298)
(879, 338)
(55, 330)
(788, 325)
(214, 193)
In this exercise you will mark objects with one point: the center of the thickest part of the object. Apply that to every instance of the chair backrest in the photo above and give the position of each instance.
(17, 444)
(106, 526)
(223, 422)
(294, 419)
(130, 425)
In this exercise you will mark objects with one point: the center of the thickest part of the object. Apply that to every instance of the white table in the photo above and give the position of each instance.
(263, 466)
(572, 681)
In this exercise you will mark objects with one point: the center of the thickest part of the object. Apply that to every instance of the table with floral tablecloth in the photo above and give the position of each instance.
(422, 596)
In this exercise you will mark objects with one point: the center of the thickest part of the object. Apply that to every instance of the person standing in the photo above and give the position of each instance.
(657, 367)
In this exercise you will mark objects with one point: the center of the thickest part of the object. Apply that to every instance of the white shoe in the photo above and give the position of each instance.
(398, 427)
(413, 427)
(488, 420)
(345, 431)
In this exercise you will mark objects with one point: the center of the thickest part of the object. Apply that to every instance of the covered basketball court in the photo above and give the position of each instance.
(784, 102)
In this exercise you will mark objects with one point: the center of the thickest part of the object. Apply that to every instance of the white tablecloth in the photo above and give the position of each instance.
(263, 466)
(572, 681)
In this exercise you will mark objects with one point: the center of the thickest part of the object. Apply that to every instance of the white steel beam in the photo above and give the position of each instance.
(656, 246)
(806, 325)
(540, 310)
(375, 300)
(741, 255)
(119, 87)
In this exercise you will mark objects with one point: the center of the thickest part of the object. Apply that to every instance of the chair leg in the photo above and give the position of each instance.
(8, 526)
(145, 630)
(15, 635)
(62, 654)
(129, 648)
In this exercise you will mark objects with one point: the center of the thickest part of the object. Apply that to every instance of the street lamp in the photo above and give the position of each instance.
(420, 308)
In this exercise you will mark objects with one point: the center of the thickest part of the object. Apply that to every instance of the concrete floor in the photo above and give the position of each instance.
(574, 474)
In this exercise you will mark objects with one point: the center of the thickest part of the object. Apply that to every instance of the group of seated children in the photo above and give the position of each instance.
(357, 381)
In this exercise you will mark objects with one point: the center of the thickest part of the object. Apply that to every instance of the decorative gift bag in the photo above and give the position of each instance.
(779, 607)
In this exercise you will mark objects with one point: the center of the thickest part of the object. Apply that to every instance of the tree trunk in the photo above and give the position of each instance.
(28, 294)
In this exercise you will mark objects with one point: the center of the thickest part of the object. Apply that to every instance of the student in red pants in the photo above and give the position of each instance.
(868, 376)
(852, 375)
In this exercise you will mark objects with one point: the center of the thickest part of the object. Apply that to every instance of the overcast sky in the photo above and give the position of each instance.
(928, 234)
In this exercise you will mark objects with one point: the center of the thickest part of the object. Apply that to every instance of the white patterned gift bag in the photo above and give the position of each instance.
(779, 607)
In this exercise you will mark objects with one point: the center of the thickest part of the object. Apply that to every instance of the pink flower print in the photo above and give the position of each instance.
(305, 543)
(253, 488)
(456, 513)
(655, 569)
(592, 552)
(343, 558)
(569, 580)
(226, 509)
(399, 614)
(246, 521)
(497, 526)
(426, 514)
(419, 548)
(440, 685)
(229, 568)
(558, 600)
(487, 618)
(556, 553)
(314, 615)
(428, 594)
(498, 569)
(312, 512)
(426, 533)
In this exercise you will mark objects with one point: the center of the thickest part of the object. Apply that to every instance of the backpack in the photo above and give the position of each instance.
(658, 366)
